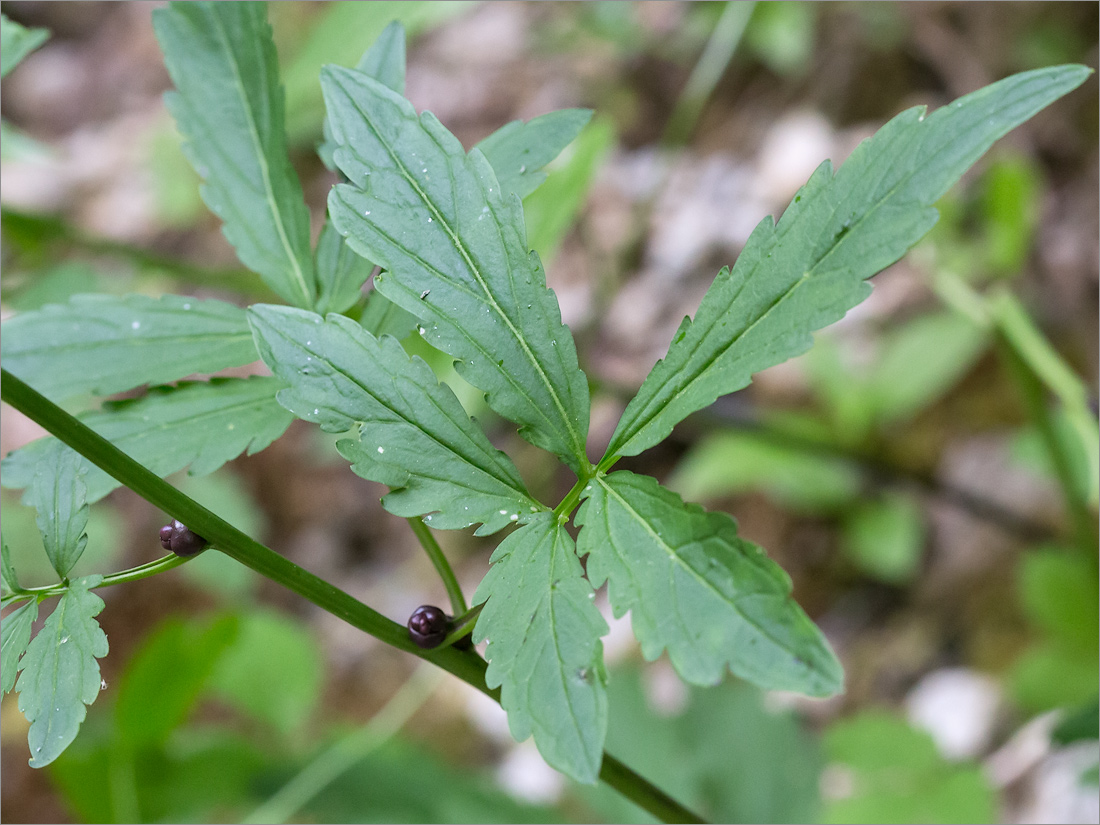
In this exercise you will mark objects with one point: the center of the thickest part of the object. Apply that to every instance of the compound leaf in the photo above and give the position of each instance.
(454, 250)
(544, 646)
(16, 42)
(201, 424)
(229, 108)
(517, 151)
(413, 433)
(60, 495)
(807, 271)
(695, 587)
(15, 633)
(105, 344)
(59, 672)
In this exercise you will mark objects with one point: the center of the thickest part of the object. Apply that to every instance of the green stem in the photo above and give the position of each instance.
(348, 751)
(442, 566)
(1035, 400)
(712, 63)
(467, 665)
(133, 574)
(567, 504)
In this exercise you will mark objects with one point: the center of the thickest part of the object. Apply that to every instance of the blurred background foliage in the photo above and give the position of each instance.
(927, 473)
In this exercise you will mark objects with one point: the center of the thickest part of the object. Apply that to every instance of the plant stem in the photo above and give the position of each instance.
(442, 566)
(133, 574)
(721, 46)
(1034, 397)
(467, 665)
(344, 754)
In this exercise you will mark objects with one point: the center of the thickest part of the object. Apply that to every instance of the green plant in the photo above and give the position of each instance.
(446, 231)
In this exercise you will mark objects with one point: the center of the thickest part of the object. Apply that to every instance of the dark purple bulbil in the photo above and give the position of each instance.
(428, 626)
(181, 541)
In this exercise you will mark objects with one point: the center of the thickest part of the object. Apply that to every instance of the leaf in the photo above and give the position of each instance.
(517, 151)
(229, 108)
(167, 674)
(889, 772)
(839, 230)
(16, 632)
(105, 344)
(59, 672)
(272, 671)
(16, 42)
(413, 433)
(381, 316)
(60, 496)
(544, 646)
(341, 272)
(551, 211)
(385, 62)
(696, 588)
(9, 579)
(202, 424)
(455, 254)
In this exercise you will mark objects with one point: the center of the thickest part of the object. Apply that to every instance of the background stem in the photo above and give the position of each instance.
(442, 566)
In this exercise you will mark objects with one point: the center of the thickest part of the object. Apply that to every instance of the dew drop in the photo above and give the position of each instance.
(315, 411)
(523, 168)
(381, 450)
(64, 639)
(135, 325)
(366, 213)
(429, 219)
(504, 512)
(187, 306)
(514, 517)
(102, 684)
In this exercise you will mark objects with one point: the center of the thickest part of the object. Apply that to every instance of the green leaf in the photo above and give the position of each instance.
(1058, 592)
(60, 496)
(9, 579)
(552, 209)
(413, 433)
(341, 272)
(381, 316)
(59, 672)
(889, 772)
(839, 230)
(15, 630)
(342, 33)
(695, 587)
(921, 360)
(166, 676)
(517, 151)
(272, 671)
(105, 344)
(385, 62)
(454, 249)
(202, 424)
(544, 646)
(229, 108)
(885, 537)
(725, 463)
(16, 42)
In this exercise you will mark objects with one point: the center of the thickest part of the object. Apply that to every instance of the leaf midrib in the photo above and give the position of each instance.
(404, 418)
(574, 436)
(269, 192)
(675, 557)
(808, 273)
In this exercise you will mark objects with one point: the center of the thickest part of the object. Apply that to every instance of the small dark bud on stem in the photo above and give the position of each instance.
(428, 626)
(181, 541)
